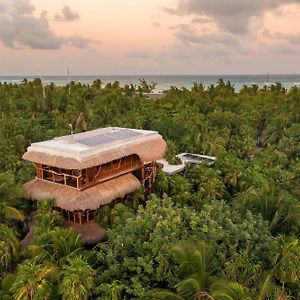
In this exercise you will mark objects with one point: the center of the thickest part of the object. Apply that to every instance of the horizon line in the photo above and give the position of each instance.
(148, 75)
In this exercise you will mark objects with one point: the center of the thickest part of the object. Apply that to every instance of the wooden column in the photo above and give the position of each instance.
(39, 170)
(143, 172)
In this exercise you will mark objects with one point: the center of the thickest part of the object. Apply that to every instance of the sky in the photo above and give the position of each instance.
(149, 37)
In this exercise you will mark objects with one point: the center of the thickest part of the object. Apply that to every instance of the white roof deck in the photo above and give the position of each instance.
(86, 144)
(186, 158)
(197, 158)
(171, 169)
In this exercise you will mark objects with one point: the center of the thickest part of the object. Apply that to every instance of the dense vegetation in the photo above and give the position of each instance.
(227, 232)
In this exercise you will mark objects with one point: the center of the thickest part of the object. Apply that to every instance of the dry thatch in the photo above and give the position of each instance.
(71, 199)
(147, 151)
(91, 233)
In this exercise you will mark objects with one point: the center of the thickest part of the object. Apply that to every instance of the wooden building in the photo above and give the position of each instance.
(84, 171)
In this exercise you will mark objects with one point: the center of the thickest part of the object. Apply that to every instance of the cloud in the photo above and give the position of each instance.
(140, 53)
(66, 15)
(291, 38)
(234, 16)
(183, 27)
(171, 11)
(215, 38)
(281, 48)
(156, 24)
(19, 28)
(213, 45)
(78, 41)
(201, 20)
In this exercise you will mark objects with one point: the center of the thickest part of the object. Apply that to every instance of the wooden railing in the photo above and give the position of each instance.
(61, 178)
(91, 176)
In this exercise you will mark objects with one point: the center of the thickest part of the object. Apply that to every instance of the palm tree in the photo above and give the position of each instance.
(195, 269)
(9, 246)
(229, 291)
(76, 280)
(45, 217)
(265, 287)
(111, 291)
(81, 124)
(5, 286)
(275, 205)
(56, 245)
(32, 282)
(9, 192)
(286, 260)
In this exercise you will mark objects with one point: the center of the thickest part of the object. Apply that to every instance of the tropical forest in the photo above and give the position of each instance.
(230, 231)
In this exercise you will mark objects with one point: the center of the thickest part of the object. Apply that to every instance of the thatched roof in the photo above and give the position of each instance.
(97, 147)
(71, 199)
(91, 233)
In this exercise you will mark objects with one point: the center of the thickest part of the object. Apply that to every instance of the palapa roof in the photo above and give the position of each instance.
(72, 199)
(91, 233)
(92, 148)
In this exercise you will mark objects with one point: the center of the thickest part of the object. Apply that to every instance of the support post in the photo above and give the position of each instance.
(143, 172)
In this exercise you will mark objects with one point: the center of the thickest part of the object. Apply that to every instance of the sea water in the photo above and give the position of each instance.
(165, 81)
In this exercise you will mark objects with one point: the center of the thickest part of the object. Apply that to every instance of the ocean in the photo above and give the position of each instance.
(165, 81)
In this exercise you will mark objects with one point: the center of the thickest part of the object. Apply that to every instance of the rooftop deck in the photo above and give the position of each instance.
(186, 158)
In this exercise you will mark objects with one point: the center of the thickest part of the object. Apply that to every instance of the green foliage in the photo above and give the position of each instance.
(9, 246)
(245, 209)
(9, 194)
(32, 282)
(76, 280)
(286, 260)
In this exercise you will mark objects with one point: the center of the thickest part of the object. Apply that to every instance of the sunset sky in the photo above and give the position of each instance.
(98, 37)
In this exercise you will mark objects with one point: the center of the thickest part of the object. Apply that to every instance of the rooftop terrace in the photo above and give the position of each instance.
(97, 146)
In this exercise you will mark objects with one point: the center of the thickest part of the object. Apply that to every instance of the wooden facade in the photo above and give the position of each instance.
(82, 179)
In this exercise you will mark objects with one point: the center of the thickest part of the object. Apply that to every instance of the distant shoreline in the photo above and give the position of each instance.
(166, 81)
